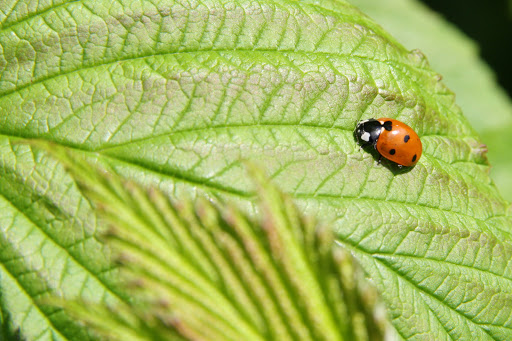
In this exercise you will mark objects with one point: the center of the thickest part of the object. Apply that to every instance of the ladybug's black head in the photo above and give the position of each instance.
(368, 131)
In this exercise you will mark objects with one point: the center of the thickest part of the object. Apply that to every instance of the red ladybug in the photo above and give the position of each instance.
(394, 140)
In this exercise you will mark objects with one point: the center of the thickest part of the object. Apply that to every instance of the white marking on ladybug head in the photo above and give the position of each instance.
(365, 136)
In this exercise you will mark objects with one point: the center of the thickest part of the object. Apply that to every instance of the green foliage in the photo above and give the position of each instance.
(456, 58)
(207, 272)
(175, 94)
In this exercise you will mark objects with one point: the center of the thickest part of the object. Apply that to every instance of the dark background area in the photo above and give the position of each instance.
(489, 23)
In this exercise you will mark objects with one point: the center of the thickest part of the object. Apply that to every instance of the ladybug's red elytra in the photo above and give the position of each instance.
(394, 140)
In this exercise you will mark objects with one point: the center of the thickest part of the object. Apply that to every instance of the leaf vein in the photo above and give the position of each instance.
(35, 14)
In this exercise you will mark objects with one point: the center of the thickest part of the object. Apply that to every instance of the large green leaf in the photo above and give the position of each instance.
(176, 93)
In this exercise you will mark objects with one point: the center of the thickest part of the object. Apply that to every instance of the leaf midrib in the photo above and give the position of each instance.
(201, 183)
(211, 186)
(428, 259)
(263, 126)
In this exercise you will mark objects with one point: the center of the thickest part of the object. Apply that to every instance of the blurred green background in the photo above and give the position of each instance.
(470, 44)
(489, 23)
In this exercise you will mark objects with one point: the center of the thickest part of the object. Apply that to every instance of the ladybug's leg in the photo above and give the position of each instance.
(379, 160)
(400, 166)
(363, 144)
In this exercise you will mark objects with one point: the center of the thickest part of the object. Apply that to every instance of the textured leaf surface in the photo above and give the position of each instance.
(47, 245)
(456, 57)
(205, 271)
(176, 93)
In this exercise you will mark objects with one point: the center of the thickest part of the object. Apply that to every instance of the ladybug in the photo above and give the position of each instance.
(394, 140)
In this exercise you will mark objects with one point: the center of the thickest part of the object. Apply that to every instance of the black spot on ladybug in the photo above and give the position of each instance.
(392, 152)
(388, 125)
(414, 158)
(406, 138)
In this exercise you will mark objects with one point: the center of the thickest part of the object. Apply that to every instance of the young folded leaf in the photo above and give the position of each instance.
(203, 270)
